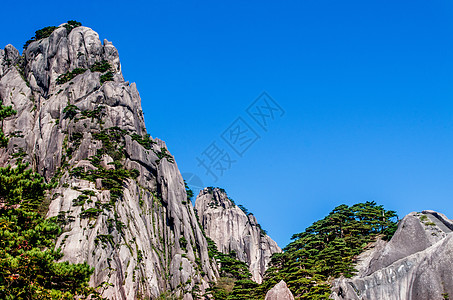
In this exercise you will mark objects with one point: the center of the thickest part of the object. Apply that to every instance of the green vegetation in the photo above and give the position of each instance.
(97, 113)
(106, 77)
(80, 200)
(71, 25)
(112, 179)
(89, 193)
(139, 256)
(40, 34)
(327, 249)
(91, 213)
(145, 140)
(164, 154)
(76, 140)
(28, 267)
(47, 31)
(104, 239)
(426, 221)
(324, 251)
(234, 276)
(102, 66)
(5, 112)
(189, 192)
(70, 111)
(245, 210)
(112, 143)
(183, 243)
(20, 154)
(20, 67)
(68, 76)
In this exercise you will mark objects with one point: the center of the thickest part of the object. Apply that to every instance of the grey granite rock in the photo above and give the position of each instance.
(134, 242)
(415, 264)
(279, 292)
(232, 230)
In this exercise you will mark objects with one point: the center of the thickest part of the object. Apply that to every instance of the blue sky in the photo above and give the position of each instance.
(366, 87)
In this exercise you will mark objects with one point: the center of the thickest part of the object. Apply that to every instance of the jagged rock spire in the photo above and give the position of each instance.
(234, 230)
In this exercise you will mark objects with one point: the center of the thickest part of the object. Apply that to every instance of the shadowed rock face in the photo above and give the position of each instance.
(415, 264)
(279, 292)
(232, 230)
(143, 242)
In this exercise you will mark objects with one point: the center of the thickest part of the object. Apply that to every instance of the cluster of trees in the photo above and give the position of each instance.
(235, 279)
(28, 267)
(47, 31)
(324, 251)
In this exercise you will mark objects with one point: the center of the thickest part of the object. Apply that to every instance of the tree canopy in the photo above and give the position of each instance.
(327, 249)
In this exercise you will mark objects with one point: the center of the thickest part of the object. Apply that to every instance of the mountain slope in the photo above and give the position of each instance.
(234, 230)
(117, 192)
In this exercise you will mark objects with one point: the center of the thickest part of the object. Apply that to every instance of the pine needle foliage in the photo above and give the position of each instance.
(234, 282)
(5, 112)
(28, 267)
(327, 249)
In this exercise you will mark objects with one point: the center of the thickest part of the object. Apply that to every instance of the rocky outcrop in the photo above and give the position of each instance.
(415, 264)
(116, 191)
(234, 230)
(279, 292)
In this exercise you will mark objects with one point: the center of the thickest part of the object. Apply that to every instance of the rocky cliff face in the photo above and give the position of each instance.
(233, 230)
(415, 264)
(117, 192)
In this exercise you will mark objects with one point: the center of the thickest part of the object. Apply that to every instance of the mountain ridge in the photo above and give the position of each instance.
(117, 191)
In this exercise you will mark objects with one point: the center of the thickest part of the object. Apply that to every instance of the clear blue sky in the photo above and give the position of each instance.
(366, 87)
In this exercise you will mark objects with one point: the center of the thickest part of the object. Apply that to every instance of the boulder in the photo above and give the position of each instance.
(279, 292)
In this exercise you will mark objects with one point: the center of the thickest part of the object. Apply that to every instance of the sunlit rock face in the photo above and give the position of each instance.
(234, 230)
(279, 292)
(415, 264)
(117, 192)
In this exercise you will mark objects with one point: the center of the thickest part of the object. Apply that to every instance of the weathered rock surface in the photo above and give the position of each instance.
(415, 264)
(144, 239)
(279, 292)
(233, 230)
